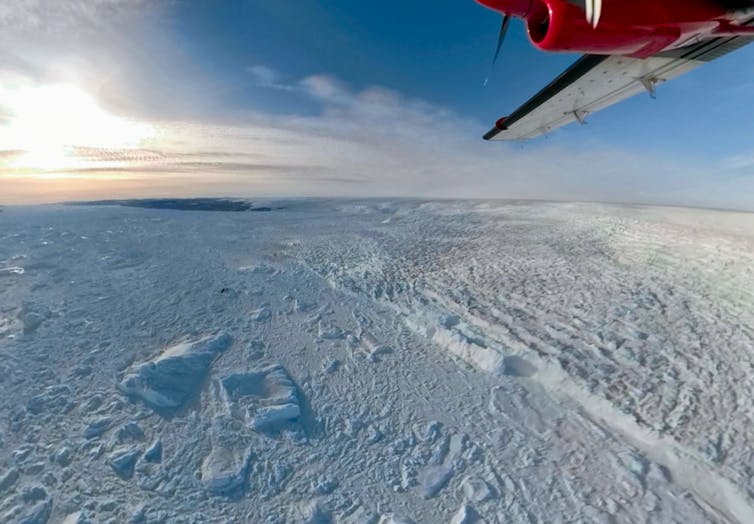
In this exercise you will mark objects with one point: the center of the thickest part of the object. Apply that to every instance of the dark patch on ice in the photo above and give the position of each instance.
(32, 318)
(450, 321)
(185, 204)
(518, 367)
(33, 494)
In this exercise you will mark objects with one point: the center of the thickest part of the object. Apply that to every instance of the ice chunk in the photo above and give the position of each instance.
(31, 320)
(76, 518)
(168, 381)
(468, 349)
(33, 494)
(312, 513)
(98, 427)
(39, 514)
(261, 314)
(225, 470)
(465, 515)
(258, 269)
(8, 478)
(62, 456)
(268, 417)
(130, 432)
(395, 519)
(433, 479)
(373, 348)
(268, 396)
(360, 516)
(476, 489)
(139, 516)
(271, 384)
(331, 366)
(123, 461)
(154, 453)
(330, 332)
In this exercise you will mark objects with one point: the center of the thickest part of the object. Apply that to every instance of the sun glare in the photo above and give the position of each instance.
(46, 123)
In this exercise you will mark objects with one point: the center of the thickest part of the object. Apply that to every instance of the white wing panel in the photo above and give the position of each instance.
(613, 79)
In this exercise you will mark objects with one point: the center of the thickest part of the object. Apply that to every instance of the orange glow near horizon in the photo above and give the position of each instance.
(46, 123)
(42, 132)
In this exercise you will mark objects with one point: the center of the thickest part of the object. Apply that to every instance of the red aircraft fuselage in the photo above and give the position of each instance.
(636, 28)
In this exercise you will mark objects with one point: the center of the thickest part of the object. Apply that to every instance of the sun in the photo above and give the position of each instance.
(46, 123)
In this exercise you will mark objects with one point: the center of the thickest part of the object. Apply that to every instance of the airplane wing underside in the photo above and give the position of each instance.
(595, 82)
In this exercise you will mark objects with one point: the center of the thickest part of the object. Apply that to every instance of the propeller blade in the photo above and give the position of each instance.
(501, 37)
(597, 12)
(593, 12)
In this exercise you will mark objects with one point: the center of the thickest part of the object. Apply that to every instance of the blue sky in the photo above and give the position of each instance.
(393, 91)
(441, 52)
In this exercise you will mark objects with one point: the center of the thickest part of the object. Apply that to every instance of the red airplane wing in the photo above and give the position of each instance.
(595, 82)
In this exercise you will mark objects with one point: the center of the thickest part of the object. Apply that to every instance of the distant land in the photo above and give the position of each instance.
(184, 204)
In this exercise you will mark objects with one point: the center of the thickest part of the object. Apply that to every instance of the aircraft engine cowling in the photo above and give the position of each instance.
(638, 28)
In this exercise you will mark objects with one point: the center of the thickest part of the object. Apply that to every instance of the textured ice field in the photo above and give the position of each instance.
(377, 362)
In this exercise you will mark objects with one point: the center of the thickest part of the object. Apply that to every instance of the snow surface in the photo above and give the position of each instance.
(377, 362)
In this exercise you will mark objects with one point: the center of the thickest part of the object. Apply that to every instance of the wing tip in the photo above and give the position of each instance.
(491, 134)
(499, 127)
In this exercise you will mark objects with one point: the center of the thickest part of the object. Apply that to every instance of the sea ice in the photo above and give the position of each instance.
(600, 362)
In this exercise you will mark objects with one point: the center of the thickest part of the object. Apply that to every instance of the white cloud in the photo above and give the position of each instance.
(50, 16)
(117, 50)
(263, 75)
(375, 142)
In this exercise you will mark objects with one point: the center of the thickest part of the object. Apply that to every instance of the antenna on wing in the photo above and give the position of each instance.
(500, 39)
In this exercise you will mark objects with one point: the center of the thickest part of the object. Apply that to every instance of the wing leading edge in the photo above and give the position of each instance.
(595, 82)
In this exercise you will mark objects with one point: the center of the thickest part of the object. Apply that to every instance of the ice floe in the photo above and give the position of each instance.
(169, 380)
